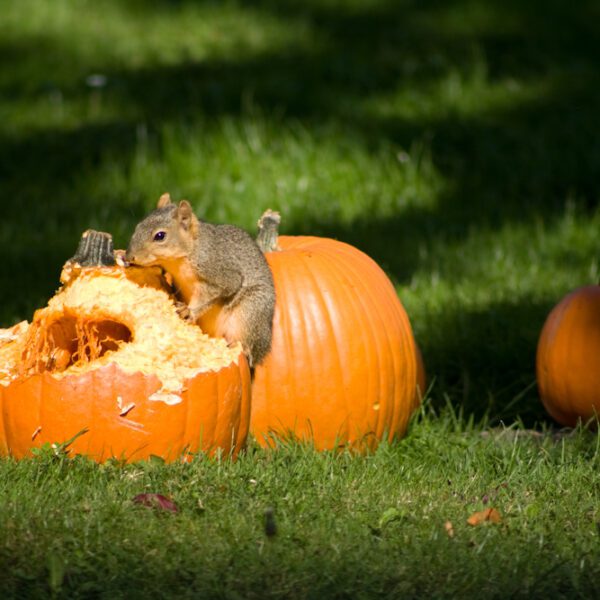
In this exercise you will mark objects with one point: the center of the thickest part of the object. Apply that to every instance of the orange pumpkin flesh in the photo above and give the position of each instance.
(342, 368)
(111, 357)
(568, 358)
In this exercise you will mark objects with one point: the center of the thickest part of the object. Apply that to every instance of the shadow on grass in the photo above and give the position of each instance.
(45, 211)
(484, 361)
(508, 163)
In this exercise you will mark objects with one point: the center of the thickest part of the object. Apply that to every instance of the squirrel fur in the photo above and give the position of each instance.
(218, 272)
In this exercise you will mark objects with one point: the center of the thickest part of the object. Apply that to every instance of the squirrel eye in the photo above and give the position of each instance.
(159, 236)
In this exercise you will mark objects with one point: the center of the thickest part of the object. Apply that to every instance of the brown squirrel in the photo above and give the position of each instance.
(218, 271)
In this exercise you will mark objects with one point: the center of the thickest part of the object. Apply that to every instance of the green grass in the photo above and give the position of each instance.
(347, 526)
(454, 141)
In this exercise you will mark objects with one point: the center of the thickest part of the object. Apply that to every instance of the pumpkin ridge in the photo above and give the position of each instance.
(185, 426)
(94, 401)
(406, 376)
(236, 426)
(299, 298)
(213, 423)
(281, 294)
(326, 265)
(221, 407)
(381, 318)
(336, 269)
(195, 431)
(40, 417)
(245, 406)
(242, 426)
(403, 377)
(377, 322)
(361, 312)
(389, 409)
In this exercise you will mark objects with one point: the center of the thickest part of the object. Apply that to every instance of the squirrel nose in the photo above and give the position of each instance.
(121, 258)
(129, 256)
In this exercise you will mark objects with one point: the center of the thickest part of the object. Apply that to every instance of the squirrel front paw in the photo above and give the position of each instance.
(183, 310)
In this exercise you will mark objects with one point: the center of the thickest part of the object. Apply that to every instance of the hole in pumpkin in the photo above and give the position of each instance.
(71, 340)
(103, 318)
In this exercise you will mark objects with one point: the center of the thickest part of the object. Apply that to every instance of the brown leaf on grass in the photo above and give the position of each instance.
(156, 501)
(449, 528)
(489, 515)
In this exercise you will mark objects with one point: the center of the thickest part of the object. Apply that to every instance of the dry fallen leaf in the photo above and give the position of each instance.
(449, 528)
(156, 501)
(490, 515)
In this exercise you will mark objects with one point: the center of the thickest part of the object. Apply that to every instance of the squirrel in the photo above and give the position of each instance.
(218, 272)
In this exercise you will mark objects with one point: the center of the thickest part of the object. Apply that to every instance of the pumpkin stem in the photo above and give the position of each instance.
(268, 231)
(95, 250)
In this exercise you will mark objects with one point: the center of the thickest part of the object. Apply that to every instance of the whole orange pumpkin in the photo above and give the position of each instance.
(110, 363)
(342, 369)
(568, 358)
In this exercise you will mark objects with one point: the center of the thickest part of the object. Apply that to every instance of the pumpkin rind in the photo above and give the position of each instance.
(114, 410)
(568, 358)
(342, 368)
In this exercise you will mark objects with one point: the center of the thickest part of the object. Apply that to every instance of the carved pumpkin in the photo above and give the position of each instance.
(342, 368)
(110, 359)
(568, 358)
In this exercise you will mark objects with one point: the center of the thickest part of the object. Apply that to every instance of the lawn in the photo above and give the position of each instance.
(456, 143)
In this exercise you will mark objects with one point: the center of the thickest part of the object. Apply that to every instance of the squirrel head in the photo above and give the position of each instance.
(167, 233)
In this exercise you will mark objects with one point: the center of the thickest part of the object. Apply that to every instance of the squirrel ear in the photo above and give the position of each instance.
(164, 200)
(185, 214)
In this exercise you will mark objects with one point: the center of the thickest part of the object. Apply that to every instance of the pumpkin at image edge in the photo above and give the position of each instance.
(342, 370)
(568, 358)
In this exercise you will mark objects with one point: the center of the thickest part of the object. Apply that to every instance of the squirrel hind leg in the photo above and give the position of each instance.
(231, 326)
(252, 331)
